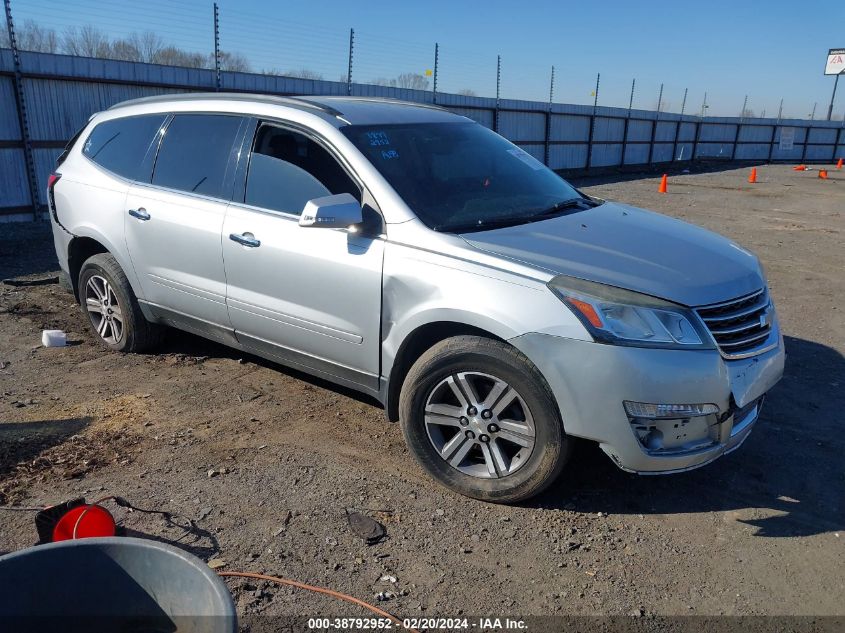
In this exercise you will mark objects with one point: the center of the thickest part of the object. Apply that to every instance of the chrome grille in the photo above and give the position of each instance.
(741, 327)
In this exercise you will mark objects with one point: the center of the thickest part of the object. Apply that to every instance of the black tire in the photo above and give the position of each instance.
(136, 334)
(551, 449)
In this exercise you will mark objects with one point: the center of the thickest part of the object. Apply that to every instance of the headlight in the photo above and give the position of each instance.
(622, 317)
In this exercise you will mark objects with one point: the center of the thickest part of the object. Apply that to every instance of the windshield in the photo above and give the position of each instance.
(460, 177)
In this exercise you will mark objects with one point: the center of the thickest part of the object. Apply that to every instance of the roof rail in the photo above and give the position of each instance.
(416, 104)
(233, 96)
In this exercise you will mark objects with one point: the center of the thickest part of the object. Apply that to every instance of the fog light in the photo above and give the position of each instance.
(657, 411)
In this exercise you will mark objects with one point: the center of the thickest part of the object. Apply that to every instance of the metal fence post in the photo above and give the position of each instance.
(549, 117)
(774, 132)
(806, 140)
(654, 126)
(593, 123)
(436, 63)
(627, 124)
(23, 120)
(498, 87)
(216, 47)
(772, 141)
(739, 127)
(678, 126)
(349, 67)
(698, 125)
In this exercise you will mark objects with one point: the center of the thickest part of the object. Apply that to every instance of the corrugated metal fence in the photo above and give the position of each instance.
(62, 91)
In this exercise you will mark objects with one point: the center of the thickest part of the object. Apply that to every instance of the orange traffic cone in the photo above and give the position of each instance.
(753, 176)
(823, 174)
(839, 164)
(662, 187)
(800, 168)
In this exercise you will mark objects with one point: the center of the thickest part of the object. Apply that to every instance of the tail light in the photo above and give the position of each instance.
(52, 179)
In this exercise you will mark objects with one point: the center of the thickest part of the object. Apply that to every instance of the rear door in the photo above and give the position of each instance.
(174, 222)
(308, 296)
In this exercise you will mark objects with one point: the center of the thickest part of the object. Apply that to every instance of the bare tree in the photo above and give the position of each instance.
(32, 37)
(304, 73)
(467, 92)
(748, 113)
(124, 50)
(172, 56)
(234, 62)
(86, 41)
(415, 81)
(148, 44)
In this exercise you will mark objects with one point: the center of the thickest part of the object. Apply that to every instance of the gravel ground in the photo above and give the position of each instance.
(268, 461)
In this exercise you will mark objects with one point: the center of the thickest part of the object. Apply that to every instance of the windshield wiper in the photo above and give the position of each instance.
(513, 220)
(558, 207)
(483, 225)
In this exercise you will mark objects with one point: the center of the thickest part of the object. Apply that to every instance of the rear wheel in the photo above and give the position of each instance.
(481, 420)
(112, 308)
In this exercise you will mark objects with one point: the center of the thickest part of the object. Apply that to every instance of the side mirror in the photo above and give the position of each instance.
(332, 212)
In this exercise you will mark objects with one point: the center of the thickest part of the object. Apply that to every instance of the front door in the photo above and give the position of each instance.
(308, 296)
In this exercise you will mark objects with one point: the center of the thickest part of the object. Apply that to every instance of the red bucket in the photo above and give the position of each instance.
(97, 522)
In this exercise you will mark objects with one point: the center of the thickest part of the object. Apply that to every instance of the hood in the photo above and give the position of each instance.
(633, 249)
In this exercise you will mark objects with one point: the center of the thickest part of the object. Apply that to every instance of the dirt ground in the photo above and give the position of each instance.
(268, 461)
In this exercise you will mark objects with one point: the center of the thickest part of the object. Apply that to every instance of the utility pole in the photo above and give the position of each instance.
(552, 89)
(780, 110)
(631, 100)
(684, 102)
(704, 105)
(832, 97)
(349, 68)
(813, 113)
(216, 47)
(744, 106)
(436, 62)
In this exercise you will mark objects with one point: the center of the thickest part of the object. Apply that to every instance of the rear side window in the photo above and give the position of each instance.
(120, 145)
(195, 152)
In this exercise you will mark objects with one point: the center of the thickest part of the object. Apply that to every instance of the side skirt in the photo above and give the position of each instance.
(321, 368)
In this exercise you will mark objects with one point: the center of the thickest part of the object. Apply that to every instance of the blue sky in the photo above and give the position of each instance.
(767, 50)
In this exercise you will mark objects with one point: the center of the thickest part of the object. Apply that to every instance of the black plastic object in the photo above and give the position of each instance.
(112, 584)
(46, 519)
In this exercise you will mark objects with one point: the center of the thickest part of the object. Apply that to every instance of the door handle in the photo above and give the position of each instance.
(246, 239)
(140, 213)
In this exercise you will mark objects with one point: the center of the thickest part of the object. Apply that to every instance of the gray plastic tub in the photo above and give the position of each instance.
(112, 584)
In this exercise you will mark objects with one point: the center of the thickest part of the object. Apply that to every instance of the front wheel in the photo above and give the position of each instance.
(479, 418)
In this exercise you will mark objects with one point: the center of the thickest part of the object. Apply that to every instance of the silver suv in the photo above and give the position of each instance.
(414, 255)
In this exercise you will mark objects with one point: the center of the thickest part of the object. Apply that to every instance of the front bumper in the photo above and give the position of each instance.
(590, 382)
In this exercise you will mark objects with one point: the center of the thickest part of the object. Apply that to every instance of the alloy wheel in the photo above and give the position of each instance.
(479, 425)
(104, 309)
